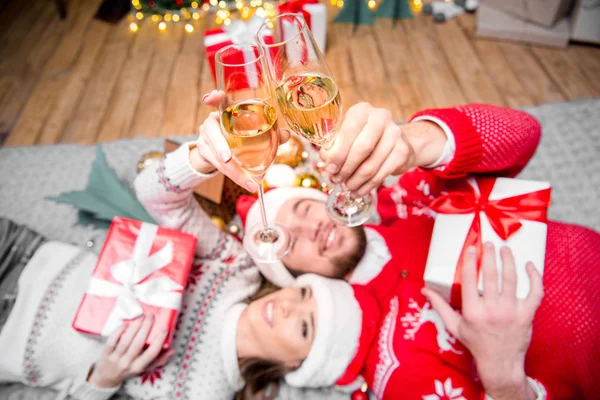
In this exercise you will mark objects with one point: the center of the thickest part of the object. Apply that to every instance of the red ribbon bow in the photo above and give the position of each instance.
(504, 216)
(295, 6)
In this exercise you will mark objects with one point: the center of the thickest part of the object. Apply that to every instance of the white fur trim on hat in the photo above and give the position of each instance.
(337, 332)
(275, 271)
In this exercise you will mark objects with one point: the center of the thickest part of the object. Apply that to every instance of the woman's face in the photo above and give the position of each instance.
(284, 324)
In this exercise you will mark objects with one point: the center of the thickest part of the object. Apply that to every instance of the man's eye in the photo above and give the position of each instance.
(304, 329)
(306, 210)
(303, 292)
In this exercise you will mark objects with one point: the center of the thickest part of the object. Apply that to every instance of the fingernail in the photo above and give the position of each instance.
(225, 156)
(336, 179)
(251, 186)
(332, 168)
(205, 96)
(488, 245)
(471, 250)
(424, 292)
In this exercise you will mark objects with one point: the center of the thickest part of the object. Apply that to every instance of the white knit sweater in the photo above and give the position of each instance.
(39, 347)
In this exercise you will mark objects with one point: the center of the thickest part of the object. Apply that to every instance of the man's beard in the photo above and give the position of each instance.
(347, 263)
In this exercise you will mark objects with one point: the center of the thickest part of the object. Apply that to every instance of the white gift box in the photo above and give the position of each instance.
(314, 13)
(513, 201)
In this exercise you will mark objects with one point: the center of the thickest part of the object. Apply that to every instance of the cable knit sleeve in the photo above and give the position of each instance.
(165, 189)
(84, 390)
(489, 139)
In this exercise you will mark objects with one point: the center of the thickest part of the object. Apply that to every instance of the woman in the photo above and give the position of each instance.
(219, 338)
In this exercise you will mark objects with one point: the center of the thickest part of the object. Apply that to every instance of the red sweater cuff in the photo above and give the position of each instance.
(468, 142)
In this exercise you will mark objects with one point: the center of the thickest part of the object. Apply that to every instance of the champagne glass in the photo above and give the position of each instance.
(249, 124)
(308, 98)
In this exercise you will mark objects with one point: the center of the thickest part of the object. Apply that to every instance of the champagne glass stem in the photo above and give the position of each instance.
(261, 199)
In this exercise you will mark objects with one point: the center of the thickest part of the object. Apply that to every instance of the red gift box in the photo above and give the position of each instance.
(503, 211)
(142, 270)
(238, 32)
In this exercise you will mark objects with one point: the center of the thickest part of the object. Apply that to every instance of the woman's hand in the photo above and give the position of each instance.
(212, 150)
(124, 355)
(370, 146)
(495, 327)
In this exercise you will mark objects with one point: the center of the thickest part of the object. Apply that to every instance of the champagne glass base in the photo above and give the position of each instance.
(267, 245)
(347, 211)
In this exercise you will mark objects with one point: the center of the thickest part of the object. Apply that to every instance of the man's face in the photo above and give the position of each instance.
(319, 245)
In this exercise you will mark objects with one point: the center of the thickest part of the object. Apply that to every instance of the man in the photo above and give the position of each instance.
(429, 152)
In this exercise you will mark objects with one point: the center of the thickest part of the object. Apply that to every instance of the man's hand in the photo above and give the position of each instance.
(370, 146)
(212, 150)
(124, 355)
(495, 327)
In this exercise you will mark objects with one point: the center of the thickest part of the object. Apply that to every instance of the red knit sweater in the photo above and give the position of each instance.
(414, 357)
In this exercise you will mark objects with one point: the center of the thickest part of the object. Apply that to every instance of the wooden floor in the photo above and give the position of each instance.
(82, 80)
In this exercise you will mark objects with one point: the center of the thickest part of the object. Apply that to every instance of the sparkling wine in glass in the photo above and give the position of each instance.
(308, 99)
(249, 124)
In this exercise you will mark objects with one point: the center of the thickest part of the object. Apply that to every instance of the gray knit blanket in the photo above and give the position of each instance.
(568, 157)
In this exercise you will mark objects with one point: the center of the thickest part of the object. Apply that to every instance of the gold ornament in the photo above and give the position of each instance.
(290, 153)
(218, 221)
(148, 159)
(326, 187)
(308, 181)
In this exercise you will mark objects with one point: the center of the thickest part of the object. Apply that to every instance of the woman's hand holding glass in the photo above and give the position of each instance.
(212, 151)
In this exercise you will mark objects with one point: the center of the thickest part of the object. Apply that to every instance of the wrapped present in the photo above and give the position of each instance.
(142, 270)
(496, 24)
(239, 32)
(315, 15)
(502, 211)
(542, 12)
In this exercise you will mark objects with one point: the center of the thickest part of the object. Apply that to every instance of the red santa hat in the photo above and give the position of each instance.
(376, 255)
(347, 318)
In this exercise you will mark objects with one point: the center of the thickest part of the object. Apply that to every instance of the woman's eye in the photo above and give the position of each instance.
(306, 210)
(303, 292)
(304, 329)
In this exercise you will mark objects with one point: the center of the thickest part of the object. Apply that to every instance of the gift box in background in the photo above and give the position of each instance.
(315, 15)
(239, 32)
(544, 12)
(495, 24)
(586, 21)
(503, 211)
(142, 270)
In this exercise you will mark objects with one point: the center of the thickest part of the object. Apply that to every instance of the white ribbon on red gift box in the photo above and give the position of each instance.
(240, 32)
(160, 292)
(522, 203)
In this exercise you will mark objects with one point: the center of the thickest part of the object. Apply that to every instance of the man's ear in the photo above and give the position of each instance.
(292, 365)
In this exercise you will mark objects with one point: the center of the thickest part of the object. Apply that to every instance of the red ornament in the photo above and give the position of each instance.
(151, 3)
(359, 395)
(179, 2)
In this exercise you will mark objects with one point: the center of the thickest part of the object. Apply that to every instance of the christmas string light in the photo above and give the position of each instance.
(194, 10)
